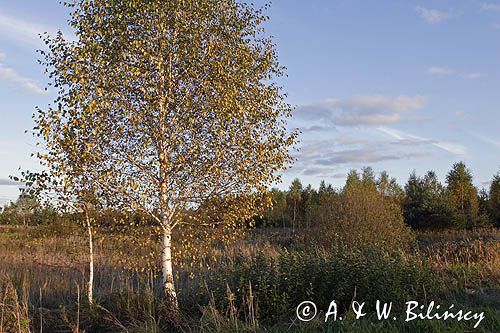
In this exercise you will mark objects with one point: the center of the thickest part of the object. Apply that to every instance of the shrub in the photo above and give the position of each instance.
(361, 217)
(279, 285)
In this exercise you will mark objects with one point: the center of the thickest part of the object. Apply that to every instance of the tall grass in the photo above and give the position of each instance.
(251, 285)
(14, 314)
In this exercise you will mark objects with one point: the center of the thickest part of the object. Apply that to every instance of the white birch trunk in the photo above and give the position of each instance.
(166, 248)
(90, 284)
(167, 271)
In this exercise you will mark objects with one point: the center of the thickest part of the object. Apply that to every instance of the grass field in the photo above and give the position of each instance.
(251, 285)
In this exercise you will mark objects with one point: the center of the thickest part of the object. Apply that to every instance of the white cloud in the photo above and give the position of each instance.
(446, 71)
(404, 138)
(322, 172)
(486, 139)
(347, 140)
(374, 110)
(315, 128)
(355, 119)
(361, 155)
(323, 157)
(418, 154)
(474, 75)
(407, 138)
(21, 30)
(2, 56)
(10, 75)
(25, 31)
(491, 7)
(440, 71)
(360, 110)
(451, 147)
(315, 112)
(432, 16)
(398, 104)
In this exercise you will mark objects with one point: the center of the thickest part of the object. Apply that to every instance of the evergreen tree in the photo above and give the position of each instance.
(427, 203)
(307, 205)
(413, 201)
(494, 200)
(322, 187)
(484, 203)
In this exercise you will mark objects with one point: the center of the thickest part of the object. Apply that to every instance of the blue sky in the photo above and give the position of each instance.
(397, 85)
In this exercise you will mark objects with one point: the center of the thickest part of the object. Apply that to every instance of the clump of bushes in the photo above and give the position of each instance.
(277, 286)
(360, 217)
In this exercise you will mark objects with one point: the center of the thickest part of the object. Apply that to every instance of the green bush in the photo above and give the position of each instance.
(362, 217)
(279, 285)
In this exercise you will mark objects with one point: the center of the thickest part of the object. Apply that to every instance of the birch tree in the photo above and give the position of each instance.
(464, 195)
(179, 103)
(73, 178)
(64, 193)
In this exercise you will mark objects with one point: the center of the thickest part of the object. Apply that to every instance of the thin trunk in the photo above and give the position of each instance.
(90, 289)
(166, 249)
(167, 271)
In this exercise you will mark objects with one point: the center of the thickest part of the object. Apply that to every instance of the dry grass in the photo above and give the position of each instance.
(14, 316)
(43, 273)
(470, 260)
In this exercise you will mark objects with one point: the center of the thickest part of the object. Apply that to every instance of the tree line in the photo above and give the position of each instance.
(426, 203)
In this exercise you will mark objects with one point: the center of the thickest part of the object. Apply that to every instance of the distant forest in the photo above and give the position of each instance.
(424, 203)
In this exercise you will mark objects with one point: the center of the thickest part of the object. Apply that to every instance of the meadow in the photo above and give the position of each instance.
(252, 284)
